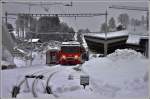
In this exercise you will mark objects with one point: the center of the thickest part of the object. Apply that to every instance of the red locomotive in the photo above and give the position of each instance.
(71, 53)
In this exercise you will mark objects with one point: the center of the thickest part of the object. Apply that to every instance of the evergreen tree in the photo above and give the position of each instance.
(112, 24)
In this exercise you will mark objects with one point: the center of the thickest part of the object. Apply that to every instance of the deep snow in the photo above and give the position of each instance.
(121, 73)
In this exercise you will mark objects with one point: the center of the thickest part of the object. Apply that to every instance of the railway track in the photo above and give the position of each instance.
(16, 88)
(38, 75)
(43, 75)
(47, 88)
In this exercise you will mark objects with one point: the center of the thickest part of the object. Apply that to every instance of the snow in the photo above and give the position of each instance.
(70, 43)
(84, 44)
(125, 54)
(22, 51)
(123, 73)
(53, 48)
(120, 74)
(6, 63)
(109, 34)
(135, 39)
(33, 40)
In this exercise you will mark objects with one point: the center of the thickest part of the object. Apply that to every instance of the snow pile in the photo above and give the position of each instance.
(120, 74)
(125, 54)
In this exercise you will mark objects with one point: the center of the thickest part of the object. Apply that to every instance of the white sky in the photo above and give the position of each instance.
(93, 23)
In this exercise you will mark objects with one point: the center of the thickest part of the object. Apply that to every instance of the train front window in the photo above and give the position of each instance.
(70, 49)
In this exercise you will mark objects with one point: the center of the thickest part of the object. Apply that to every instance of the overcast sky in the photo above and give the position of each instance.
(92, 23)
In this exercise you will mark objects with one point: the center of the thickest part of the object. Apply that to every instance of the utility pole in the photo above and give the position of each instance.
(105, 43)
(148, 20)
(23, 28)
(29, 25)
(6, 15)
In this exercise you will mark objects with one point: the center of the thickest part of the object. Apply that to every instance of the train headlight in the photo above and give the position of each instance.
(76, 57)
(63, 57)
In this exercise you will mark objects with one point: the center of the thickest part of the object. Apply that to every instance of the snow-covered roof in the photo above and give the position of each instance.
(6, 63)
(70, 43)
(109, 34)
(145, 37)
(52, 48)
(20, 50)
(33, 40)
(133, 39)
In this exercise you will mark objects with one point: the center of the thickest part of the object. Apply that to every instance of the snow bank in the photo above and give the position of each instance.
(120, 74)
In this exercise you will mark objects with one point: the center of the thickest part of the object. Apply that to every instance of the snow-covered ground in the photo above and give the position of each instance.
(123, 73)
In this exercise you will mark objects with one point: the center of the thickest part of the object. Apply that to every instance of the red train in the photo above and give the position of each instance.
(71, 53)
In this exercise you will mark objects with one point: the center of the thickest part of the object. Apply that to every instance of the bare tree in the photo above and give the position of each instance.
(124, 19)
(112, 24)
(104, 27)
